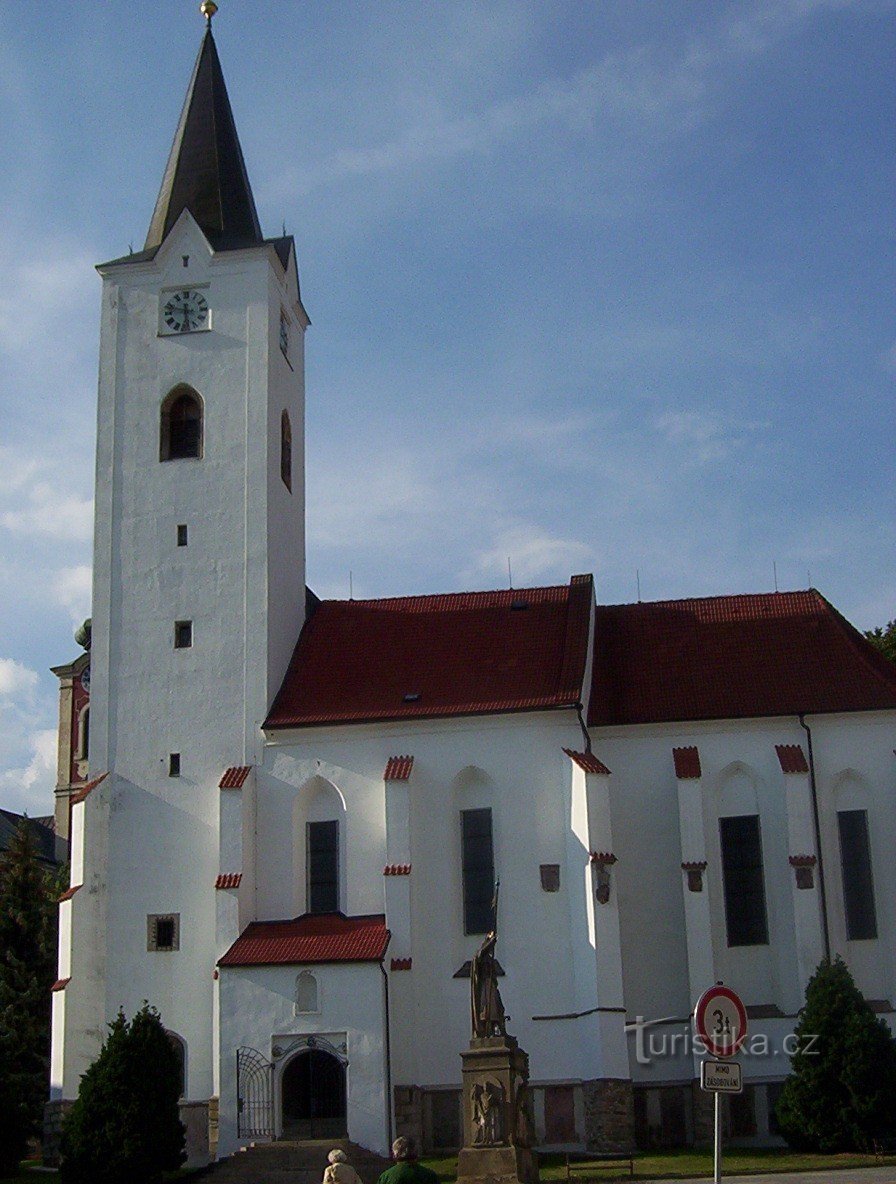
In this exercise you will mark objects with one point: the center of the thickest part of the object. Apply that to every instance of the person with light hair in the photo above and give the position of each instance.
(406, 1169)
(339, 1170)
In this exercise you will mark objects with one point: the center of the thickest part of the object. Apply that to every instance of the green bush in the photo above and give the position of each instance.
(841, 1092)
(125, 1127)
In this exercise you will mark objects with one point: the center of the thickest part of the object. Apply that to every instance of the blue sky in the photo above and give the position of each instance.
(596, 286)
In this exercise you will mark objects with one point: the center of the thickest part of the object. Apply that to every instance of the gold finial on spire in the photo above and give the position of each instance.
(208, 8)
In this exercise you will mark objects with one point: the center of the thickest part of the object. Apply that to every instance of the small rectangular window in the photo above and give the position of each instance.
(743, 881)
(855, 867)
(173, 764)
(182, 534)
(478, 870)
(323, 867)
(163, 931)
(183, 635)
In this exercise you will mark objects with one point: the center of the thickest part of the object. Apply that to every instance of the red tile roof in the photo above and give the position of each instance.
(401, 964)
(588, 761)
(687, 763)
(229, 880)
(420, 657)
(320, 937)
(69, 893)
(60, 984)
(397, 869)
(235, 777)
(86, 790)
(398, 768)
(733, 657)
(792, 758)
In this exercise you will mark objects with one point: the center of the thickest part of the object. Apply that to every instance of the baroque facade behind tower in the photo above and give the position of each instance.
(287, 827)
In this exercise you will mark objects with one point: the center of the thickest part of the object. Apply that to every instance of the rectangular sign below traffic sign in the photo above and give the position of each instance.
(721, 1077)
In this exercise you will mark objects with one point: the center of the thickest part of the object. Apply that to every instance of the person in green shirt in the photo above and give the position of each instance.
(407, 1170)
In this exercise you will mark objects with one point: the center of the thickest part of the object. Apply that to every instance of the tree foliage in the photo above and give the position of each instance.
(28, 895)
(841, 1092)
(124, 1127)
(884, 639)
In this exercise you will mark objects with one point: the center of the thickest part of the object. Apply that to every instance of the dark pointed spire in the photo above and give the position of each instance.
(206, 173)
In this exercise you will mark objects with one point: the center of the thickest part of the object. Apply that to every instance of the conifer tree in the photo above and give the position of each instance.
(28, 895)
(841, 1092)
(124, 1127)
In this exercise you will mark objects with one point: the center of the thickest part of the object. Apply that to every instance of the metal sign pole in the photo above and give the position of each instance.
(718, 1126)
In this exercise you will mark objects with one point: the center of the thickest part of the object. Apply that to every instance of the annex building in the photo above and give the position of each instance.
(287, 815)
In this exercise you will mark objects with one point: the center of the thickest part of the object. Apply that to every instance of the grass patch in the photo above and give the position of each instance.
(686, 1164)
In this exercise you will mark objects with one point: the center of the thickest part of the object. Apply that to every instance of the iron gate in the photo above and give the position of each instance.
(254, 1093)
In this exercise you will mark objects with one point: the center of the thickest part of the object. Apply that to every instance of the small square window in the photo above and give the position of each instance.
(173, 764)
(182, 534)
(183, 635)
(163, 931)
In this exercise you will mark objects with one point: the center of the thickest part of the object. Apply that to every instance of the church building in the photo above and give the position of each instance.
(287, 815)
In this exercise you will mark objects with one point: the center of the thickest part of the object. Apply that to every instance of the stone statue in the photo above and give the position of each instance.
(488, 1111)
(487, 1010)
(485, 998)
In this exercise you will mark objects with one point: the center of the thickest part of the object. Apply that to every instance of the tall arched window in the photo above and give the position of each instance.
(180, 1051)
(286, 450)
(306, 993)
(84, 733)
(181, 425)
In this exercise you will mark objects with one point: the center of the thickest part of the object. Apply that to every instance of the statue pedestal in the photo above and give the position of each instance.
(498, 1128)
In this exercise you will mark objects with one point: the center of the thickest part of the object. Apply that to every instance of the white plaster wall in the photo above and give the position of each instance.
(205, 702)
(257, 1010)
(516, 766)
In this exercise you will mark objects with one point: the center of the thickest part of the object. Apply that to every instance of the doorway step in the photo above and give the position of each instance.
(286, 1162)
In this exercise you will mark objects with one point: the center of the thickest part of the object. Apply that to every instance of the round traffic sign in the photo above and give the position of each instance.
(721, 1021)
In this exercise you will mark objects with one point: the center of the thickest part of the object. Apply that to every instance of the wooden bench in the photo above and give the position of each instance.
(582, 1165)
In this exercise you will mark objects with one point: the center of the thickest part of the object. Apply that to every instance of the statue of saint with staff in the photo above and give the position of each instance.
(485, 999)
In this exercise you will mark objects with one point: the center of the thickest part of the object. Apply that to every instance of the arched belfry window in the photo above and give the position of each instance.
(286, 450)
(181, 425)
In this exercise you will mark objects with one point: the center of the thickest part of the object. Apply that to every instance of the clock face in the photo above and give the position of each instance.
(185, 311)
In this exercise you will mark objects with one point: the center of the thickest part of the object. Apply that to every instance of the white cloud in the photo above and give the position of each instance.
(72, 588)
(51, 511)
(16, 678)
(534, 553)
(30, 787)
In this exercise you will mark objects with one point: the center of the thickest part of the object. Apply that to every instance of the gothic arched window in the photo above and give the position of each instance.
(181, 425)
(306, 993)
(286, 450)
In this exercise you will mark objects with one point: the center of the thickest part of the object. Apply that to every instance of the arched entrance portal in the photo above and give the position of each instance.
(313, 1096)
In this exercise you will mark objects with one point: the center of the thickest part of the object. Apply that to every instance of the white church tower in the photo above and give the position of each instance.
(198, 594)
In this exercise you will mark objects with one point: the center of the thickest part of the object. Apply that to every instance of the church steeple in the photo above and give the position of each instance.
(206, 173)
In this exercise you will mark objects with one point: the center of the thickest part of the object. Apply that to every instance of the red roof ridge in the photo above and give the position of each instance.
(61, 984)
(235, 777)
(687, 763)
(68, 893)
(229, 880)
(398, 768)
(312, 937)
(578, 622)
(86, 790)
(436, 599)
(807, 595)
(792, 758)
(588, 761)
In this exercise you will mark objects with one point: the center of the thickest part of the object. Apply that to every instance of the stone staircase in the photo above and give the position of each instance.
(286, 1162)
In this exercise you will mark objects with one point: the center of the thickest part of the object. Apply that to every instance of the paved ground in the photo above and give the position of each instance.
(838, 1176)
